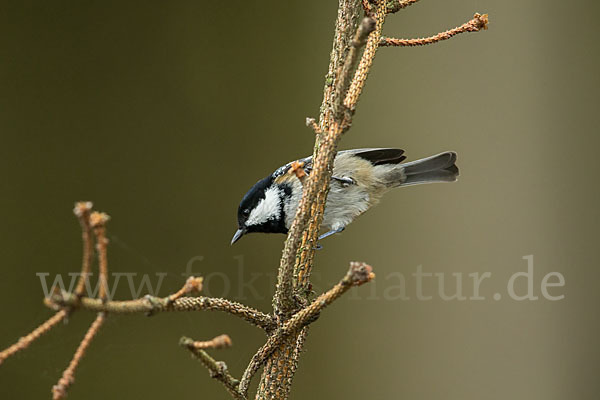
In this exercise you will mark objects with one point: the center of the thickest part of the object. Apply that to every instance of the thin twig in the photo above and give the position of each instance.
(312, 124)
(60, 389)
(151, 305)
(476, 24)
(26, 340)
(82, 211)
(218, 342)
(358, 274)
(192, 284)
(98, 222)
(217, 369)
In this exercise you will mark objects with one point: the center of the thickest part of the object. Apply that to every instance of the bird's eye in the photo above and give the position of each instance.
(246, 211)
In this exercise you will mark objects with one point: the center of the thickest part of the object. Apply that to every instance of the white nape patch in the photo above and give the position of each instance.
(267, 209)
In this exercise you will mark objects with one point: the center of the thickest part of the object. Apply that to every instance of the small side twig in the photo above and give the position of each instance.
(218, 342)
(477, 23)
(192, 284)
(26, 340)
(217, 369)
(312, 124)
(358, 274)
(60, 389)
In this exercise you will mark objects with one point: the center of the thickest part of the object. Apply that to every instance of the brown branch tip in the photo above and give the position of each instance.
(192, 284)
(219, 342)
(312, 124)
(297, 168)
(358, 274)
(82, 207)
(98, 219)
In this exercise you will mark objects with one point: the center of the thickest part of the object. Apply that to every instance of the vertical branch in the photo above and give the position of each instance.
(347, 21)
(328, 141)
(301, 242)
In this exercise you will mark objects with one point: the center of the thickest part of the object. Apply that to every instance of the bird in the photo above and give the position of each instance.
(359, 180)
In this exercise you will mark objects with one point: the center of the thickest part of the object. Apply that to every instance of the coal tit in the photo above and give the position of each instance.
(360, 178)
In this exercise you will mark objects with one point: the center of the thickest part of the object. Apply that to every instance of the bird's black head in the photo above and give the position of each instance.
(262, 209)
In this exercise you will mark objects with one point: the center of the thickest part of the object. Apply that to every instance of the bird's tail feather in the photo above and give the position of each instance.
(438, 168)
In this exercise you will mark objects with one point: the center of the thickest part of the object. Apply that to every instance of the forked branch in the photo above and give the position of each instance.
(217, 369)
(358, 274)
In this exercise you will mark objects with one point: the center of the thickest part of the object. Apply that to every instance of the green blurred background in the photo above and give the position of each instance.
(165, 113)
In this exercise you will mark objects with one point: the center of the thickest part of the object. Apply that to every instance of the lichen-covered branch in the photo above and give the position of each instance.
(477, 23)
(151, 305)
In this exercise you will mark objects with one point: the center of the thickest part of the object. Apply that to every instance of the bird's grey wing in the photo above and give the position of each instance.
(378, 156)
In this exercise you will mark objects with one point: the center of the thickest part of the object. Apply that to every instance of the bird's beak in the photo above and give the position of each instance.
(238, 234)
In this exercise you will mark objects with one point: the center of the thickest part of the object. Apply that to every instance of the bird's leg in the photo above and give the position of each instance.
(331, 232)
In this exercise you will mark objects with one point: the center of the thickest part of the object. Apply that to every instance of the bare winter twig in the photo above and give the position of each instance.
(477, 23)
(26, 340)
(68, 377)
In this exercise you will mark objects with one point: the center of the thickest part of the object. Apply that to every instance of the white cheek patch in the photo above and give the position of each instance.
(267, 209)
